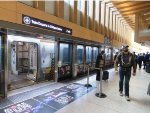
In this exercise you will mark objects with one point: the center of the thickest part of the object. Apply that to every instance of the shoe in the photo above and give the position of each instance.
(121, 94)
(127, 98)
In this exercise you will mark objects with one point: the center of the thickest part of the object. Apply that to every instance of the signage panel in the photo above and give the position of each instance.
(31, 21)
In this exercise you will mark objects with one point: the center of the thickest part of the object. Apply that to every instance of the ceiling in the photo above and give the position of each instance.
(128, 9)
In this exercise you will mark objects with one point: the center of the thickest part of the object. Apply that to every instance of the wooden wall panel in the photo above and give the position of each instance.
(15, 16)
(7, 15)
(9, 5)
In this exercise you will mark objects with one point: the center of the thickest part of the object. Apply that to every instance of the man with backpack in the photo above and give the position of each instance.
(126, 61)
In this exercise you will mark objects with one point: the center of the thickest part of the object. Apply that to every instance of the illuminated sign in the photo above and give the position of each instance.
(31, 21)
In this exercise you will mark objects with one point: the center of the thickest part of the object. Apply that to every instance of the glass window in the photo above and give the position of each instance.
(2, 78)
(102, 15)
(88, 54)
(50, 7)
(47, 53)
(95, 53)
(97, 3)
(106, 18)
(78, 11)
(28, 2)
(80, 54)
(66, 9)
(64, 53)
(88, 14)
(108, 54)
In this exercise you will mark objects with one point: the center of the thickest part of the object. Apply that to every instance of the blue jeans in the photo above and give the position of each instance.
(124, 73)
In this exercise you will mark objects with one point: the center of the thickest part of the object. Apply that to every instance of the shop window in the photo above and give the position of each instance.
(64, 53)
(95, 53)
(80, 54)
(88, 54)
(108, 54)
(47, 53)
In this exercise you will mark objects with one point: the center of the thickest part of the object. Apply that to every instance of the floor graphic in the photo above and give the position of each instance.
(29, 106)
(49, 102)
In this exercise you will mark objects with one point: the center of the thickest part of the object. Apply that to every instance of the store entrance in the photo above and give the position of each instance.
(23, 64)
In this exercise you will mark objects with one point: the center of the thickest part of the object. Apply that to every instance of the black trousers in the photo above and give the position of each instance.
(140, 64)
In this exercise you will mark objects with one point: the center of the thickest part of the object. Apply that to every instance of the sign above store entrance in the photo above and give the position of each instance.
(31, 21)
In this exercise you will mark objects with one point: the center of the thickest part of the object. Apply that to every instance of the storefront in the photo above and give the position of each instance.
(33, 51)
(30, 58)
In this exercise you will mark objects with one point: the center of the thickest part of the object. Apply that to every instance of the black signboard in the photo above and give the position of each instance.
(31, 21)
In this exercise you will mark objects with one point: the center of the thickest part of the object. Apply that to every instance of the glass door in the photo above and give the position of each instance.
(2, 77)
(88, 57)
(80, 59)
(47, 59)
(65, 59)
(95, 53)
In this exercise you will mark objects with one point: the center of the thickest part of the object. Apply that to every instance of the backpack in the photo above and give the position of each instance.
(123, 63)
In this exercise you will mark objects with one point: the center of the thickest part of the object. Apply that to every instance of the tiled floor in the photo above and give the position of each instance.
(89, 103)
(140, 101)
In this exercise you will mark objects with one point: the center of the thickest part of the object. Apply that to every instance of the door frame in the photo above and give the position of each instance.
(21, 38)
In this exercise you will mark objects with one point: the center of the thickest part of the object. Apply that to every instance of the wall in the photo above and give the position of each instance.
(12, 12)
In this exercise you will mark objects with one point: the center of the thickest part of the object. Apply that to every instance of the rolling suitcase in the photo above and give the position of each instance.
(105, 75)
(148, 67)
(148, 90)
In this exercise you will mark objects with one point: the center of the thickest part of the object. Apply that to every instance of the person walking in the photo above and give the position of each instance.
(126, 61)
(140, 59)
(115, 56)
(144, 61)
(136, 58)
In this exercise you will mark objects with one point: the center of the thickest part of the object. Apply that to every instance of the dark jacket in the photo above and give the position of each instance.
(126, 61)
(140, 59)
(99, 57)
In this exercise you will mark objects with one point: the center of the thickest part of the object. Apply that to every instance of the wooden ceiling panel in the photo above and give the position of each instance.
(146, 16)
(129, 5)
(135, 7)
(128, 9)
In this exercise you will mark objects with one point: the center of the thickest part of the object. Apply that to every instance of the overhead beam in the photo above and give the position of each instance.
(133, 4)
(136, 11)
(146, 16)
(120, 2)
(147, 5)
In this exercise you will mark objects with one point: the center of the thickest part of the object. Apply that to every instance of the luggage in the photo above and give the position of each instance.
(105, 75)
(148, 90)
(148, 67)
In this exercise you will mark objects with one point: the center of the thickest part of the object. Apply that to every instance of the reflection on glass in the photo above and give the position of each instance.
(88, 54)
(64, 55)
(47, 53)
(80, 54)
(95, 53)
(108, 54)
(0, 54)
